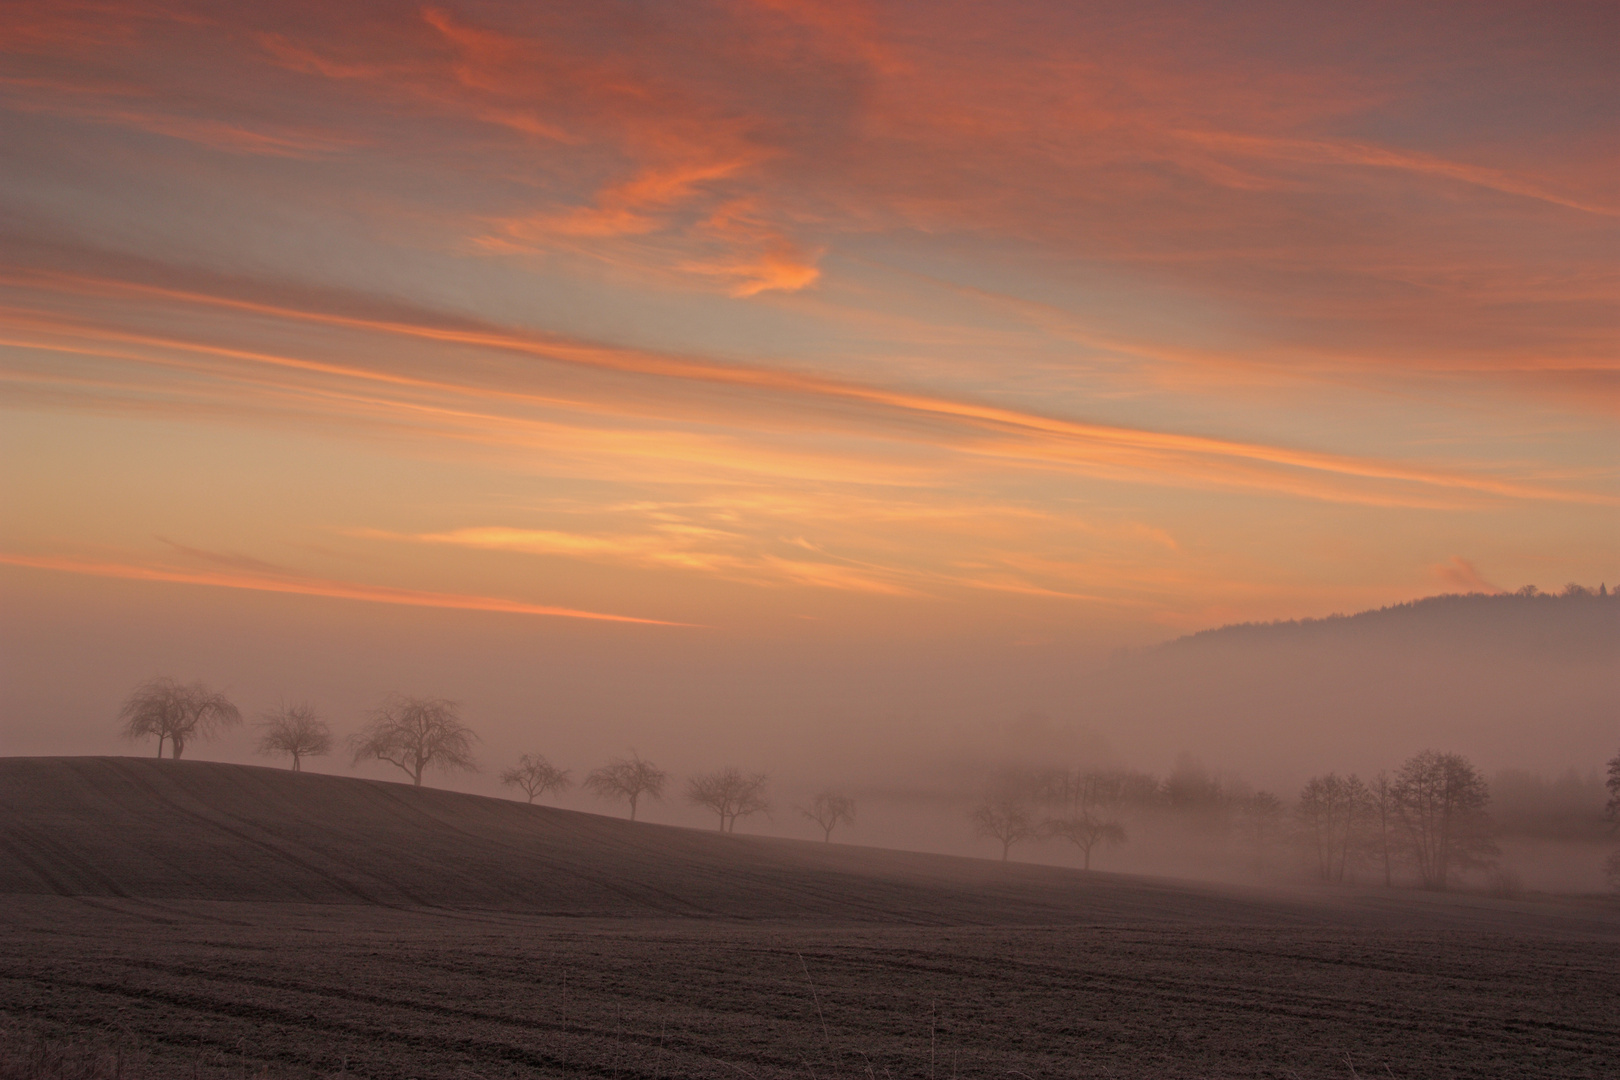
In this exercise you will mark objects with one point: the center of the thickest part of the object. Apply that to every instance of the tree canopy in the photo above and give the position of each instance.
(295, 730)
(730, 793)
(1440, 804)
(629, 779)
(1005, 819)
(176, 712)
(414, 734)
(535, 776)
(828, 810)
(1085, 830)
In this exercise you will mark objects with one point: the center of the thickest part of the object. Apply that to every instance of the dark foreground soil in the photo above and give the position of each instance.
(725, 957)
(219, 989)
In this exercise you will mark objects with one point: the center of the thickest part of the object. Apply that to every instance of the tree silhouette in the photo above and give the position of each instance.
(729, 793)
(1612, 810)
(1440, 804)
(829, 810)
(176, 712)
(1085, 831)
(1611, 866)
(1005, 819)
(413, 734)
(536, 776)
(629, 779)
(1384, 809)
(1332, 812)
(297, 731)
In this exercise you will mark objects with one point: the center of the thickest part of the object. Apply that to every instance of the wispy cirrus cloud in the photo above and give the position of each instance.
(309, 586)
(973, 428)
(1175, 267)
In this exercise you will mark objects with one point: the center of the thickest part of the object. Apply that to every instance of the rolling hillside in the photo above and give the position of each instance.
(217, 921)
(194, 830)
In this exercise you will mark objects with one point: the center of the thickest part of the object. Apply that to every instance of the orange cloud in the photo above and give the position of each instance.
(1460, 574)
(984, 430)
(1344, 152)
(339, 590)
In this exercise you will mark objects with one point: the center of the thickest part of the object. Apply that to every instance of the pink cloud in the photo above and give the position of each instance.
(1460, 574)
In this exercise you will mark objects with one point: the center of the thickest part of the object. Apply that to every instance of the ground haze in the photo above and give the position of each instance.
(228, 917)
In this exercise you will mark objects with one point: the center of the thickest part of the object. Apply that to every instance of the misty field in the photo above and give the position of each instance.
(728, 956)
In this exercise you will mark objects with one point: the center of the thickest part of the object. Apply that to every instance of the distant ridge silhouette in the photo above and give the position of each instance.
(1579, 618)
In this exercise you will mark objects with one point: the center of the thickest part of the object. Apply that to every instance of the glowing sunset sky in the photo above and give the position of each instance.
(911, 322)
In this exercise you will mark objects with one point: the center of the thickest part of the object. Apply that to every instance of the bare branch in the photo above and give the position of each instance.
(730, 794)
(176, 712)
(629, 779)
(295, 730)
(536, 776)
(828, 810)
(1005, 819)
(414, 734)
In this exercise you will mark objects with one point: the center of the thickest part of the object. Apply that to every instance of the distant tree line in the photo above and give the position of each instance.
(1429, 818)
(1427, 822)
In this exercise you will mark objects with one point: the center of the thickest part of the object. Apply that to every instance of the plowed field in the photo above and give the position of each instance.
(723, 957)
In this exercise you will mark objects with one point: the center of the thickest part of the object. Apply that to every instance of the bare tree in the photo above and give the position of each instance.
(1085, 831)
(1384, 808)
(176, 712)
(536, 776)
(629, 779)
(1332, 812)
(294, 730)
(1440, 800)
(828, 810)
(1005, 819)
(413, 734)
(1612, 810)
(1611, 866)
(730, 794)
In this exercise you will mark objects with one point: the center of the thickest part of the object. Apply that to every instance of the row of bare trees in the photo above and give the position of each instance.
(415, 734)
(1430, 815)
(728, 792)
(410, 733)
(1009, 820)
(1080, 806)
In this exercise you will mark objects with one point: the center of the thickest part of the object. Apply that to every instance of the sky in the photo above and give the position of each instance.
(626, 368)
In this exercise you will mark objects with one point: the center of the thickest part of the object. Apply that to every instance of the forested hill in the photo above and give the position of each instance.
(1578, 620)
(1516, 681)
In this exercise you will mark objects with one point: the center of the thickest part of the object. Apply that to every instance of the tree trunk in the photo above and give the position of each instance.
(179, 745)
(632, 808)
(1085, 863)
(1006, 846)
(296, 766)
(160, 747)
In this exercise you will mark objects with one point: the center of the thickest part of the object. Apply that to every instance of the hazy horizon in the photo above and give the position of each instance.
(834, 390)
